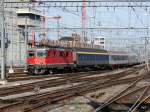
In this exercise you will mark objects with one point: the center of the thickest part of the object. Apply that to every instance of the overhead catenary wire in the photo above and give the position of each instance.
(138, 17)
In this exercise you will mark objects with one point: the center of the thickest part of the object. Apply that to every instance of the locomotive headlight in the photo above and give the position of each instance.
(37, 61)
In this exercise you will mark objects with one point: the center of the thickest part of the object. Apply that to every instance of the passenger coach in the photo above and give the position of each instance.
(91, 57)
(117, 59)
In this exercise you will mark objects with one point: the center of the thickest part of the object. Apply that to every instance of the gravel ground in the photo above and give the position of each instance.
(90, 101)
(81, 104)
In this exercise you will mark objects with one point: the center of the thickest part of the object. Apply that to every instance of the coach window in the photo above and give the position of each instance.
(84, 57)
(87, 57)
(79, 57)
(122, 57)
(114, 57)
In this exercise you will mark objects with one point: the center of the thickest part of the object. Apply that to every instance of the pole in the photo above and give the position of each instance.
(26, 46)
(11, 64)
(92, 34)
(19, 42)
(146, 43)
(146, 54)
(3, 62)
(58, 26)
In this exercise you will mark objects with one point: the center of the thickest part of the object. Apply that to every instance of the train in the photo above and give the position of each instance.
(48, 60)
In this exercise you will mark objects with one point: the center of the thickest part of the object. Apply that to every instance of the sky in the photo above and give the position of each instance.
(105, 17)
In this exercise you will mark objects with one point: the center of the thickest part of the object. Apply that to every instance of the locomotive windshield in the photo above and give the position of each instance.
(31, 54)
(41, 53)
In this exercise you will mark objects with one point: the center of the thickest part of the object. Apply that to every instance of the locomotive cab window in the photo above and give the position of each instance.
(41, 53)
(30, 54)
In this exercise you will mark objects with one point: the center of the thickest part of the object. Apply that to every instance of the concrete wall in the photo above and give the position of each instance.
(15, 53)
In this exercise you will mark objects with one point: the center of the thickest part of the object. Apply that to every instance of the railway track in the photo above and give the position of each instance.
(52, 97)
(40, 100)
(73, 78)
(23, 76)
(143, 97)
(131, 90)
(47, 83)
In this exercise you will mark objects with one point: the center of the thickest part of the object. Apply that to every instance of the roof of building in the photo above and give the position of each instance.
(29, 11)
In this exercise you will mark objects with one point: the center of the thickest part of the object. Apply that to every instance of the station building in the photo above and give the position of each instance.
(15, 22)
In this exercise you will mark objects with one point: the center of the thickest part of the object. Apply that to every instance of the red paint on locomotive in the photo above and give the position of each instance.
(31, 57)
(50, 56)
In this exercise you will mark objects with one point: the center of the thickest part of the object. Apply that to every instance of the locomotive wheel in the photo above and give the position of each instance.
(50, 72)
(39, 71)
(30, 72)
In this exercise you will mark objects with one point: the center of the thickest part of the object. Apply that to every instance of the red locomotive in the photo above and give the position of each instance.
(40, 59)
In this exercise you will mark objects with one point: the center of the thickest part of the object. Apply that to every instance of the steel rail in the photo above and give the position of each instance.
(118, 96)
(28, 77)
(139, 99)
(67, 93)
(109, 101)
(140, 103)
(76, 90)
(64, 80)
(62, 94)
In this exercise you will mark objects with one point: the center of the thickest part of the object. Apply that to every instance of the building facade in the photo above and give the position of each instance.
(15, 22)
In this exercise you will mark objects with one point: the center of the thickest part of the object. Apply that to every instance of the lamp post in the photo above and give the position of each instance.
(26, 42)
(11, 70)
(3, 61)
(146, 43)
(92, 33)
